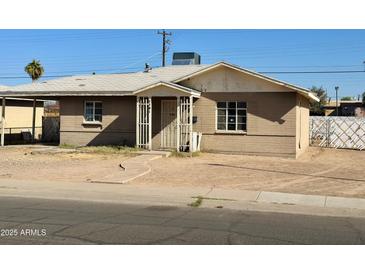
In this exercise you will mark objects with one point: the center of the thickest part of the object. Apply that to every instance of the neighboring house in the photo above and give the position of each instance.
(345, 108)
(235, 110)
(18, 119)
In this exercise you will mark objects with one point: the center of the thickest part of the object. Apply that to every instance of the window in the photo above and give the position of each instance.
(93, 111)
(232, 116)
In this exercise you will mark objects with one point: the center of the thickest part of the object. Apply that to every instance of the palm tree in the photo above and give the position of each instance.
(34, 69)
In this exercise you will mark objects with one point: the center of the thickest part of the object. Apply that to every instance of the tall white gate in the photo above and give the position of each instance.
(185, 123)
(144, 123)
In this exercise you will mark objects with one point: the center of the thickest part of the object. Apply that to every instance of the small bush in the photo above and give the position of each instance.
(197, 202)
(109, 149)
(68, 146)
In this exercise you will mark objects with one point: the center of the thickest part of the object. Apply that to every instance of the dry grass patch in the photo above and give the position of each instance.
(102, 149)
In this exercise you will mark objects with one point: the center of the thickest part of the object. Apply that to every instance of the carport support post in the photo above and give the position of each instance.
(3, 122)
(191, 124)
(178, 123)
(34, 117)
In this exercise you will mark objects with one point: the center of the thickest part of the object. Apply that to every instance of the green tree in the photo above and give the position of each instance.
(363, 98)
(316, 108)
(346, 98)
(34, 69)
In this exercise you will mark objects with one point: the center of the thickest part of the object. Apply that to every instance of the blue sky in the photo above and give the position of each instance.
(70, 52)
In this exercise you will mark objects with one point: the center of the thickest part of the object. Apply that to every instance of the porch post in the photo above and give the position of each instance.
(178, 124)
(34, 117)
(137, 122)
(191, 124)
(150, 123)
(3, 122)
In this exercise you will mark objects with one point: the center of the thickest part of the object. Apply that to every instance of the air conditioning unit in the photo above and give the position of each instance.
(185, 58)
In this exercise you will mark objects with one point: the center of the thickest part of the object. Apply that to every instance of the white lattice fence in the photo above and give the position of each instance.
(337, 132)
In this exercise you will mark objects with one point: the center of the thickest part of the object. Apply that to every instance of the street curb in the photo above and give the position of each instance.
(290, 199)
(311, 200)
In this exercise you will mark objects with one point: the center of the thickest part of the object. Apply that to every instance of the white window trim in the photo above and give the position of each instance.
(226, 131)
(93, 122)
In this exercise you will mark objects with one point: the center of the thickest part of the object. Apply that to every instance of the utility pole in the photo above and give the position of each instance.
(164, 42)
(336, 88)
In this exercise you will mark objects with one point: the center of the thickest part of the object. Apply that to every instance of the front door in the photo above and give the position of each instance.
(168, 124)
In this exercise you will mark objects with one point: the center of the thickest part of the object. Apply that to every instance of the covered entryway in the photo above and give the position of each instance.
(165, 117)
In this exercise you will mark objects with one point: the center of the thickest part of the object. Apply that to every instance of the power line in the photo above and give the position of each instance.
(312, 72)
(262, 72)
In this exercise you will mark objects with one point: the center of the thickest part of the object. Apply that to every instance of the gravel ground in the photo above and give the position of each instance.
(319, 171)
(20, 163)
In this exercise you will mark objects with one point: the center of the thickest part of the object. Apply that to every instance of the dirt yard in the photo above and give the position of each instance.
(26, 163)
(319, 171)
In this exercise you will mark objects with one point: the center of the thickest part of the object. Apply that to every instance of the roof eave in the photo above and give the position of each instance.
(189, 91)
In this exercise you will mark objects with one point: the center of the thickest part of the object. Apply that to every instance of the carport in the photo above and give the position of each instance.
(7, 100)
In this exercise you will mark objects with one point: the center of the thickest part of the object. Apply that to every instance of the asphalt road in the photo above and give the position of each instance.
(41, 221)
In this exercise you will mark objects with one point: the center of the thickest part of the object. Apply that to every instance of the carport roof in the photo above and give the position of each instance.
(105, 84)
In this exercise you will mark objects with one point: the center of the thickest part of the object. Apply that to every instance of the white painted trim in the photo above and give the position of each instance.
(137, 121)
(34, 118)
(178, 123)
(226, 108)
(150, 123)
(191, 123)
(93, 121)
(23, 99)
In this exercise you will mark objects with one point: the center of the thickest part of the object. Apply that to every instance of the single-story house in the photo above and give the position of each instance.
(345, 108)
(18, 122)
(219, 107)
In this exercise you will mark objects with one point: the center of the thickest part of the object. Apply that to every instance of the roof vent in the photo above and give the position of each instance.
(147, 67)
(185, 58)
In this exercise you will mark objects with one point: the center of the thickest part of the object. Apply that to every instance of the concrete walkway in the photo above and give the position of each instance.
(130, 169)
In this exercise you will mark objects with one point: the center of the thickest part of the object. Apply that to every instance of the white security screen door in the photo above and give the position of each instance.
(168, 124)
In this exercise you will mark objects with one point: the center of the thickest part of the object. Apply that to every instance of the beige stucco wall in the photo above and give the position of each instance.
(19, 117)
(302, 124)
(230, 80)
(271, 123)
(118, 124)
